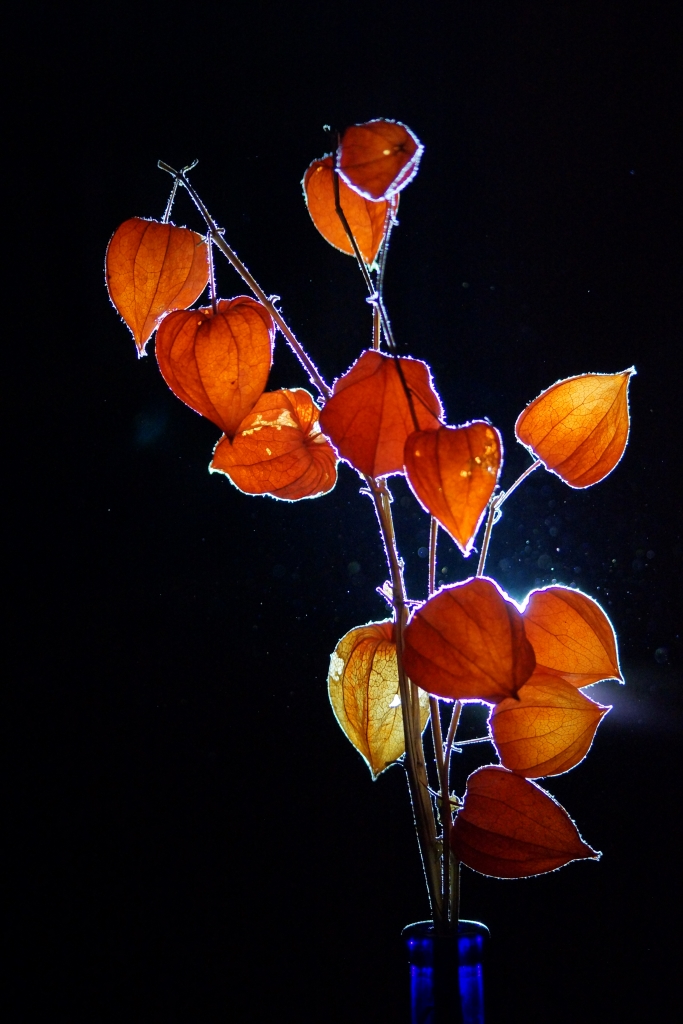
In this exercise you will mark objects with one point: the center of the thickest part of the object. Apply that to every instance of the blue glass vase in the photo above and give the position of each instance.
(446, 973)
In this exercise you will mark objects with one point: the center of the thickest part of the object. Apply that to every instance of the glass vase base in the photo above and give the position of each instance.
(446, 973)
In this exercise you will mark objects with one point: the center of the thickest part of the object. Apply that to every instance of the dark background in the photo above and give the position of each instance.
(192, 828)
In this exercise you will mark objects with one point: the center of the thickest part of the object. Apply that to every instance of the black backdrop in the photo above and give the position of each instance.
(194, 832)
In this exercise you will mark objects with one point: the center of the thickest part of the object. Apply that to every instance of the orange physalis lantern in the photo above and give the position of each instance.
(279, 449)
(368, 419)
(468, 643)
(218, 363)
(546, 729)
(378, 158)
(152, 268)
(367, 220)
(453, 472)
(571, 636)
(364, 693)
(510, 828)
(579, 427)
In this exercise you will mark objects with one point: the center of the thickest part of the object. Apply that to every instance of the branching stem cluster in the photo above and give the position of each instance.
(433, 810)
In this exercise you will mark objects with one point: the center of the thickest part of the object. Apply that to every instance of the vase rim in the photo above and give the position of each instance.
(426, 929)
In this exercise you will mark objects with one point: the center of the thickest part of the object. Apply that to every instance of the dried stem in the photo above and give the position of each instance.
(479, 739)
(435, 714)
(451, 867)
(454, 865)
(212, 275)
(487, 537)
(442, 763)
(520, 479)
(437, 735)
(455, 718)
(433, 536)
(494, 506)
(347, 228)
(216, 235)
(169, 205)
(414, 760)
(408, 392)
(433, 701)
(374, 292)
(390, 221)
(376, 328)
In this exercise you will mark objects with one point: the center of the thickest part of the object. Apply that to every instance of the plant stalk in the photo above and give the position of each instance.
(212, 276)
(414, 760)
(442, 764)
(374, 293)
(216, 234)
(494, 506)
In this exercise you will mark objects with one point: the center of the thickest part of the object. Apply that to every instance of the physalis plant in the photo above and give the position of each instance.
(468, 642)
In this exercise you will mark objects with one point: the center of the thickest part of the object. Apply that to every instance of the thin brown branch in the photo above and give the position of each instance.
(415, 767)
(216, 234)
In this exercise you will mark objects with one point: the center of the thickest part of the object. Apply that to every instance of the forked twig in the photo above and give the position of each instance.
(216, 235)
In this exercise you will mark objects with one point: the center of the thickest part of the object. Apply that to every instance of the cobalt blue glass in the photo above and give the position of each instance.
(446, 973)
